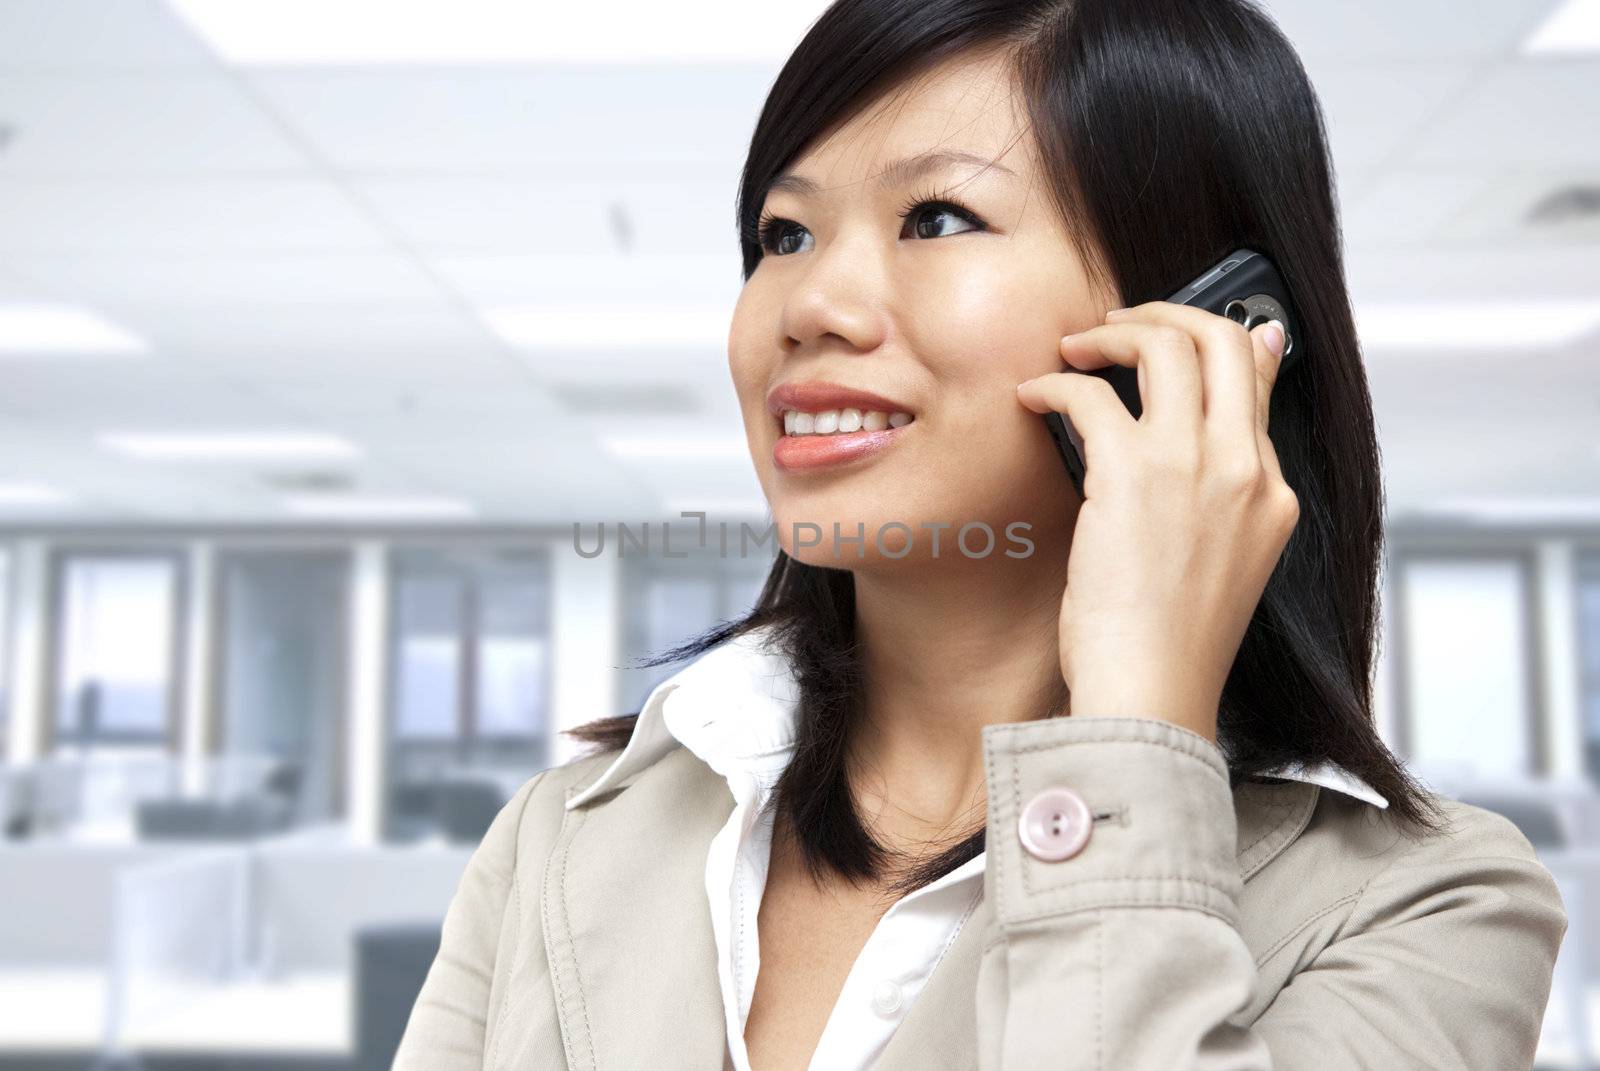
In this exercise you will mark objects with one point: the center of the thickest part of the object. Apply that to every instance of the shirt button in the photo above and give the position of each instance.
(1055, 825)
(886, 998)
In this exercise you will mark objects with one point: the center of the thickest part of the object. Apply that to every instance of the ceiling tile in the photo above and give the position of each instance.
(213, 279)
(465, 119)
(95, 35)
(137, 124)
(179, 215)
(583, 210)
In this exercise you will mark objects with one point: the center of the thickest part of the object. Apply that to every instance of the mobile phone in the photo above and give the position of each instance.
(1245, 287)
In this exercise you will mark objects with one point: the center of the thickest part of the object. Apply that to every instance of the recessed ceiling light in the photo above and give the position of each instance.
(494, 31)
(376, 507)
(55, 328)
(21, 494)
(610, 326)
(1480, 325)
(227, 446)
(676, 446)
(1572, 27)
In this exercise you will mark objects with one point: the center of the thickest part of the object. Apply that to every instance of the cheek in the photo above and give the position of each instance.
(991, 325)
(747, 360)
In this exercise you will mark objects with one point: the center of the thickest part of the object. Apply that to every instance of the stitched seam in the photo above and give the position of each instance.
(738, 913)
(1132, 904)
(960, 925)
(1301, 820)
(1175, 749)
(1099, 987)
(516, 900)
(566, 925)
(999, 855)
(570, 820)
(1276, 826)
(1187, 879)
(1299, 927)
(1288, 808)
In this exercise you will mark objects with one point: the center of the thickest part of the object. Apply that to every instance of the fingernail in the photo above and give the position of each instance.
(1273, 336)
(1116, 312)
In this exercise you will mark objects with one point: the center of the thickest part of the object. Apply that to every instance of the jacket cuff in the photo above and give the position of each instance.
(1164, 829)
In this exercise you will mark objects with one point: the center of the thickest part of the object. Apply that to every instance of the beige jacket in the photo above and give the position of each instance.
(1274, 925)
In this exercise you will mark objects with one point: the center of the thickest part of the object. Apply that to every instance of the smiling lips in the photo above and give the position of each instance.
(826, 424)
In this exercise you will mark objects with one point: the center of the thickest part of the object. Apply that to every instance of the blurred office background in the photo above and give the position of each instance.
(323, 321)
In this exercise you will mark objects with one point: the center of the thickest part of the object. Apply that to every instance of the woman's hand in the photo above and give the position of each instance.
(1185, 510)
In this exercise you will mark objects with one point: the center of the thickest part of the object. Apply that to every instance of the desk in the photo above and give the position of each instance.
(61, 1010)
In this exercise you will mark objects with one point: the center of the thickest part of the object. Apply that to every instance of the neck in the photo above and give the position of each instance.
(948, 647)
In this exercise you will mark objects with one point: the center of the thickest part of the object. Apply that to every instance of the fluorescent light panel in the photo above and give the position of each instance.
(54, 328)
(24, 494)
(227, 446)
(610, 326)
(1480, 325)
(494, 31)
(1572, 27)
(374, 507)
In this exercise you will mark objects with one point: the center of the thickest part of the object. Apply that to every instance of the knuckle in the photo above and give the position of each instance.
(1231, 334)
(1236, 474)
(1288, 504)
(1240, 477)
(1168, 337)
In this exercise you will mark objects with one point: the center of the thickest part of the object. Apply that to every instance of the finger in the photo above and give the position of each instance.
(1266, 346)
(1228, 373)
(1089, 402)
(1170, 390)
(1267, 352)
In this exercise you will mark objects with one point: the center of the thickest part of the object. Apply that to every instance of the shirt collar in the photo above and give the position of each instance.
(734, 708)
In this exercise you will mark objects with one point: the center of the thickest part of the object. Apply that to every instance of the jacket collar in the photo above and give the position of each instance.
(734, 707)
(633, 982)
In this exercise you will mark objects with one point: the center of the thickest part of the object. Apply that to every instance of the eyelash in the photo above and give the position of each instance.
(767, 231)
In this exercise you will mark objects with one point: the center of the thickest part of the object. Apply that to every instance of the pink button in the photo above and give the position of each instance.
(1055, 825)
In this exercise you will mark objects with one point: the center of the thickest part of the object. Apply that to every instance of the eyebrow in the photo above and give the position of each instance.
(897, 173)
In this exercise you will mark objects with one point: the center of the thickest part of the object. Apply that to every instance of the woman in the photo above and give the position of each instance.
(1123, 807)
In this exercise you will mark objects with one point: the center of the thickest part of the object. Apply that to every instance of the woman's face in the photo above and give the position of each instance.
(939, 314)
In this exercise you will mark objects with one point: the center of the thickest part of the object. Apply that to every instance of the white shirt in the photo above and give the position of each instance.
(734, 707)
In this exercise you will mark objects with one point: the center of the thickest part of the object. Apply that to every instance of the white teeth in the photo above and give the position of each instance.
(841, 421)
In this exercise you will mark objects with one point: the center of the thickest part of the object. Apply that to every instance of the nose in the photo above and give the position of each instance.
(837, 300)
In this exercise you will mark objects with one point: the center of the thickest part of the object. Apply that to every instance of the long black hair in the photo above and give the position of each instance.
(1172, 132)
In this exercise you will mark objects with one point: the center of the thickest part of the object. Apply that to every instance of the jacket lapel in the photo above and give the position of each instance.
(633, 964)
(627, 927)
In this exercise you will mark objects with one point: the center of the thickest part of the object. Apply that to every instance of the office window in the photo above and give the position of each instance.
(1465, 638)
(5, 647)
(668, 601)
(116, 649)
(1589, 658)
(470, 696)
(281, 677)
